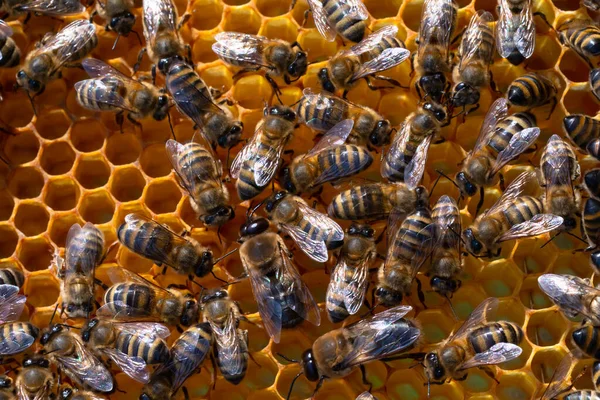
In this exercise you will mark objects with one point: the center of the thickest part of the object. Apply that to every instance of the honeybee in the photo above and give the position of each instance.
(35, 380)
(596, 374)
(67, 350)
(11, 303)
(347, 67)
(366, 396)
(7, 390)
(562, 383)
(595, 82)
(573, 295)
(10, 54)
(476, 343)
(337, 353)
(193, 98)
(158, 243)
(118, 17)
(592, 5)
(312, 231)
(411, 243)
(230, 342)
(591, 182)
(110, 90)
(515, 30)
(283, 299)
(583, 130)
(66, 392)
(45, 62)
(132, 345)
(349, 279)
(343, 17)
(51, 8)
(532, 90)
(558, 170)
(252, 52)
(187, 354)
(406, 157)
(582, 37)
(432, 61)
(591, 227)
(512, 216)
(323, 111)
(11, 276)
(476, 53)
(375, 201)
(329, 160)
(134, 298)
(16, 337)
(501, 139)
(256, 164)
(199, 172)
(585, 340)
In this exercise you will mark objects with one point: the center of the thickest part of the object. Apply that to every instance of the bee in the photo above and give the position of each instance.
(591, 182)
(446, 262)
(283, 299)
(256, 164)
(343, 17)
(66, 392)
(476, 53)
(347, 67)
(134, 298)
(188, 352)
(44, 63)
(329, 160)
(132, 345)
(411, 243)
(501, 139)
(193, 98)
(349, 279)
(476, 343)
(582, 36)
(583, 130)
(592, 5)
(7, 389)
(338, 352)
(591, 227)
(11, 303)
(366, 396)
(596, 374)
(118, 17)
(50, 8)
(66, 349)
(11, 276)
(515, 30)
(312, 231)
(585, 340)
(252, 52)
(512, 216)
(161, 30)
(230, 342)
(158, 243)
(406, 157)
(199, 172)
(562, 383)
(558, 170)
(573, 295)
(10, 55)
(375, 201)
(16, 337)
(532, 90)
(323, 111)
(432, 61)
(35, 380)
(595, 82)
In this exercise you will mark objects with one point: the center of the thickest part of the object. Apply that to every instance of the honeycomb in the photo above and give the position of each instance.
(69, 165)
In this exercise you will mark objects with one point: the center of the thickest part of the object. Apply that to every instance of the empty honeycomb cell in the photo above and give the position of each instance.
(466, 299)
(31, 218)
(7, 204)
(41, 289)
(265, 394)
(202, 49)
(303, 388)
(531, 295)
(21, 148)
(383, 9)
(127, 184)
(154, 161)
(574, 68)
(291, 345)
(133, 261)
(528, 259)
(92, 171)
(477, 381)
(241, 19)
(162, 196)
(318, 49)
(206, 14)
(52, 124)
(261, 373)
(218, 77)
(25, 182)
(123, 148)
(446, 155)
(16, 110)
(411, 15)
(273, 8)
(60, 225)
(500, 278)
(516, 386)
(97, 207)
(547, 51)
(57, 157)
(544, 363)
(88, 135)
(223, 389)
(579, 100)
(61, 193)
(405, 385)
(362, 93)
(54, 95)
(252, 91)
(334, 389)
(35, 253)
(449, 391)
(280, 28)
(545, 327)
(571, 264)
(435, 325)
(8, 240)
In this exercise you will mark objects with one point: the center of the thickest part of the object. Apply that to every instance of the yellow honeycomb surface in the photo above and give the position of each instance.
(71, 165)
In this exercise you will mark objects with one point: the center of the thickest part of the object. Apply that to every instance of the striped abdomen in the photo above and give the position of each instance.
(281, 292)
(147, 239)
(485, 51)
(558, 152)
(335, 301)
(361, 202)
(11, 276)
(199, 166)
(587, 338)
(507, 128)
(386, 42)
(484, 337)
(197, 337)
(10, 55)
(230, 371)
(93, 96)
(581, 395)
(231, 56)
(85, 247)
(582, 129)
(19, 334)
(521, 209)
(596, 375)
(584, 40)
(591, 220)
(531, 90)
(346, 160)
(83, 51)
(415, 230)
(446, 215)
(595, 82)
(317, 113)
(347, 27)
(246, 184)
(185, 84)
(152, 351)
(136, 296)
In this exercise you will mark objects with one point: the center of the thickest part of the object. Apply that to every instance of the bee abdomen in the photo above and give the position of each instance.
(530, 90)
(347, 159)
(88, 91)
(595, 82)
(197, 337)
(338, 14)
(336, 309)
(386, 42)
(588, 340)
(394, 167)
(416, 229)
(582, 129)
(136, 296)
(360, 202)
(11, 276)
(591, 218)
(522, 209)
(150, 244)
(507, 128)
(582, 395)
(152, 351)
(483, 338)
(17, 332)
(585, 41)
(246, 184)
(229, 371)
(9, 52)
(187, 83)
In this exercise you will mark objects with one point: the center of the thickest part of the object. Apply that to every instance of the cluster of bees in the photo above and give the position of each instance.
(129, 328)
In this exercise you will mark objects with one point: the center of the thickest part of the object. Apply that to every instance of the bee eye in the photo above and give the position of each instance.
(114, 21)
(34, 85)
(21, 74)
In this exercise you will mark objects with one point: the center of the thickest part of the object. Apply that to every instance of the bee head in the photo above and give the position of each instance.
(388, 297)
(437, 110)
(165, 63)
(31, 85)
(275, 199)
(48, 335)
(254, 227)
(287, 180)
(444, 286)
(232, 136)
(474, 245)
(298, 66)
(5, 382)
(325, 80)
(433, 368)
(282, 111)
(36, 362)
(595, 261)
(162, 107)
(381, 134)
(122, 23)
(219, 216)
(66, 393)
(310, 366)
(205, 264)
(433, 85)
(362, 230)
(190, 313)
(465, 185)
(464, 95)
(87, 328)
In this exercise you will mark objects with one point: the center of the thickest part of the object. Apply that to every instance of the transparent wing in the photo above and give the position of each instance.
(416, 167)
(159, 15)
(79, 253)
(11, 303)
(354, 285)
(498, 353)
(227, 345)
(569, 292)
(556, 168)
(473, 37)
(498, 111)
(98, 68)
(336, 136)
(53, 7)
(389, 58)
(477, 317)
(397, 149)
(540, 223)
(365, 396)
(151, 330)
(315, 249)
(505, 40)
(448, 226)
(435, 29)
(374, 39)
(561, 379)
(135, 367)
(356, 9)
(513, 191)
(241, 47)
(322, 104)
(103, 91)
(517, 145)
(182, 363)
(121, 311)
(5, 29)
(525, 33)
(335, 171)
(18, 341)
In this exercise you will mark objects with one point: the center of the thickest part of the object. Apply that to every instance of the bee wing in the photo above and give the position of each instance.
(389, 58)
(513, 191)
(448, 227)
(5, 29)
(103, 90)
(356, 9)
(473, 37)
(397, 149)
(159, 15)
(241, 47)
(79, 252)
(561, 379)
(540, 223)
(505, 41)
(151, 330)
(133, 366)
(227, 345)
(98, 68)
(525, 34)
(182, 363)
(121, 311)
(365, 396)
(352, 287)
(517, 145)
(568, 292)
(11, 303)
(498, 353)
(416, 166)
(54, 8)
(332, 172)
(321, 22)
(371, 41)
(477, 317)
(24, 341)
(315, 249)
(498, 111)
(434, 29)
(336, 136)
(247, 152)
(558, 161)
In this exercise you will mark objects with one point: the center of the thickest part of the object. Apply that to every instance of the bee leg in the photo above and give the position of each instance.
(119, 119)
(365, 381)
(275, 87)
(481, 197)
(134, 122)
(184, 18)
(100, 283)
(136, 66)
(418, 90)
(390, 80)
(554, 103)
(319, 384)
(186, 395)
(253, 360)
(420, 293)
(493, 83)
(27, 18)
(502, 184)
(345, 94)
(92, 15)
(305, 17)
(489, 373)
(213, 375)
(373, 87)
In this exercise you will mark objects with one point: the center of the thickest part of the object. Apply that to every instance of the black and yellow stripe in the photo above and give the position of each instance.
(136, 296)
(17, 333)
(415, 230)
(151, 350)
(197, 337)
(11, 276)
(246, 184)
(583, 39)
(10, 55)
(587, 338)
(507, 128)
(561, 153)
(361, 202)
(185, 83)
(230, 374)
(591, 219)
(86, 246)
(582, 129)
(322, 112)
(592, 182)
(531, 90)
(347, 27)
(346, 159)
(97, 97)
(146, 238)
(486, 336)
(386, 42)
(446, 209)
(522, 209)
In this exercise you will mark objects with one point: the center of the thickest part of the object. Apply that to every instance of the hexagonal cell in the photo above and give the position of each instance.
(516, 386)
(162, 196)
(579, 100)
(60, 225)
(154, 161)
(92, 171)
(88, 135)
(435, 325)
(25, 182)
(206, 14)
(411, 15)
(572, 264)
(123, 148)
(35, 253)
(251, 90)
(41, 289)
(546, 327)
(477, 381)
(7, 204)
(57, 157)
(241, 19)
(16, 109)
(531, 295)
(61, 194)
(97, 207)
(219, 77)
(273, 8)
(500, 278)
(202, 49)
(303, 388)
(547, 51)
(52, 124)
(383, 9)
(447, 391)
(573, 67)
(8, 240)
(127, 184)
(528, 259)
(263, 376)
(22, 148)
(544, 363)
(280, 28)
(31, 218)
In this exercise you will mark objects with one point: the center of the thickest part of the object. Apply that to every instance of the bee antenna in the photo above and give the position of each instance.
(551, 239)
(257, 207)
(428, 388)
(69, 326)
(447, 177)
(292, 384)
(196, 283)
(219, 234)
(32, 103)
(53, 314)
(138, 37)
(451, 306)
(288, 359)
(222, 257)
(576, 237)
(171, 125)
(116, 40)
